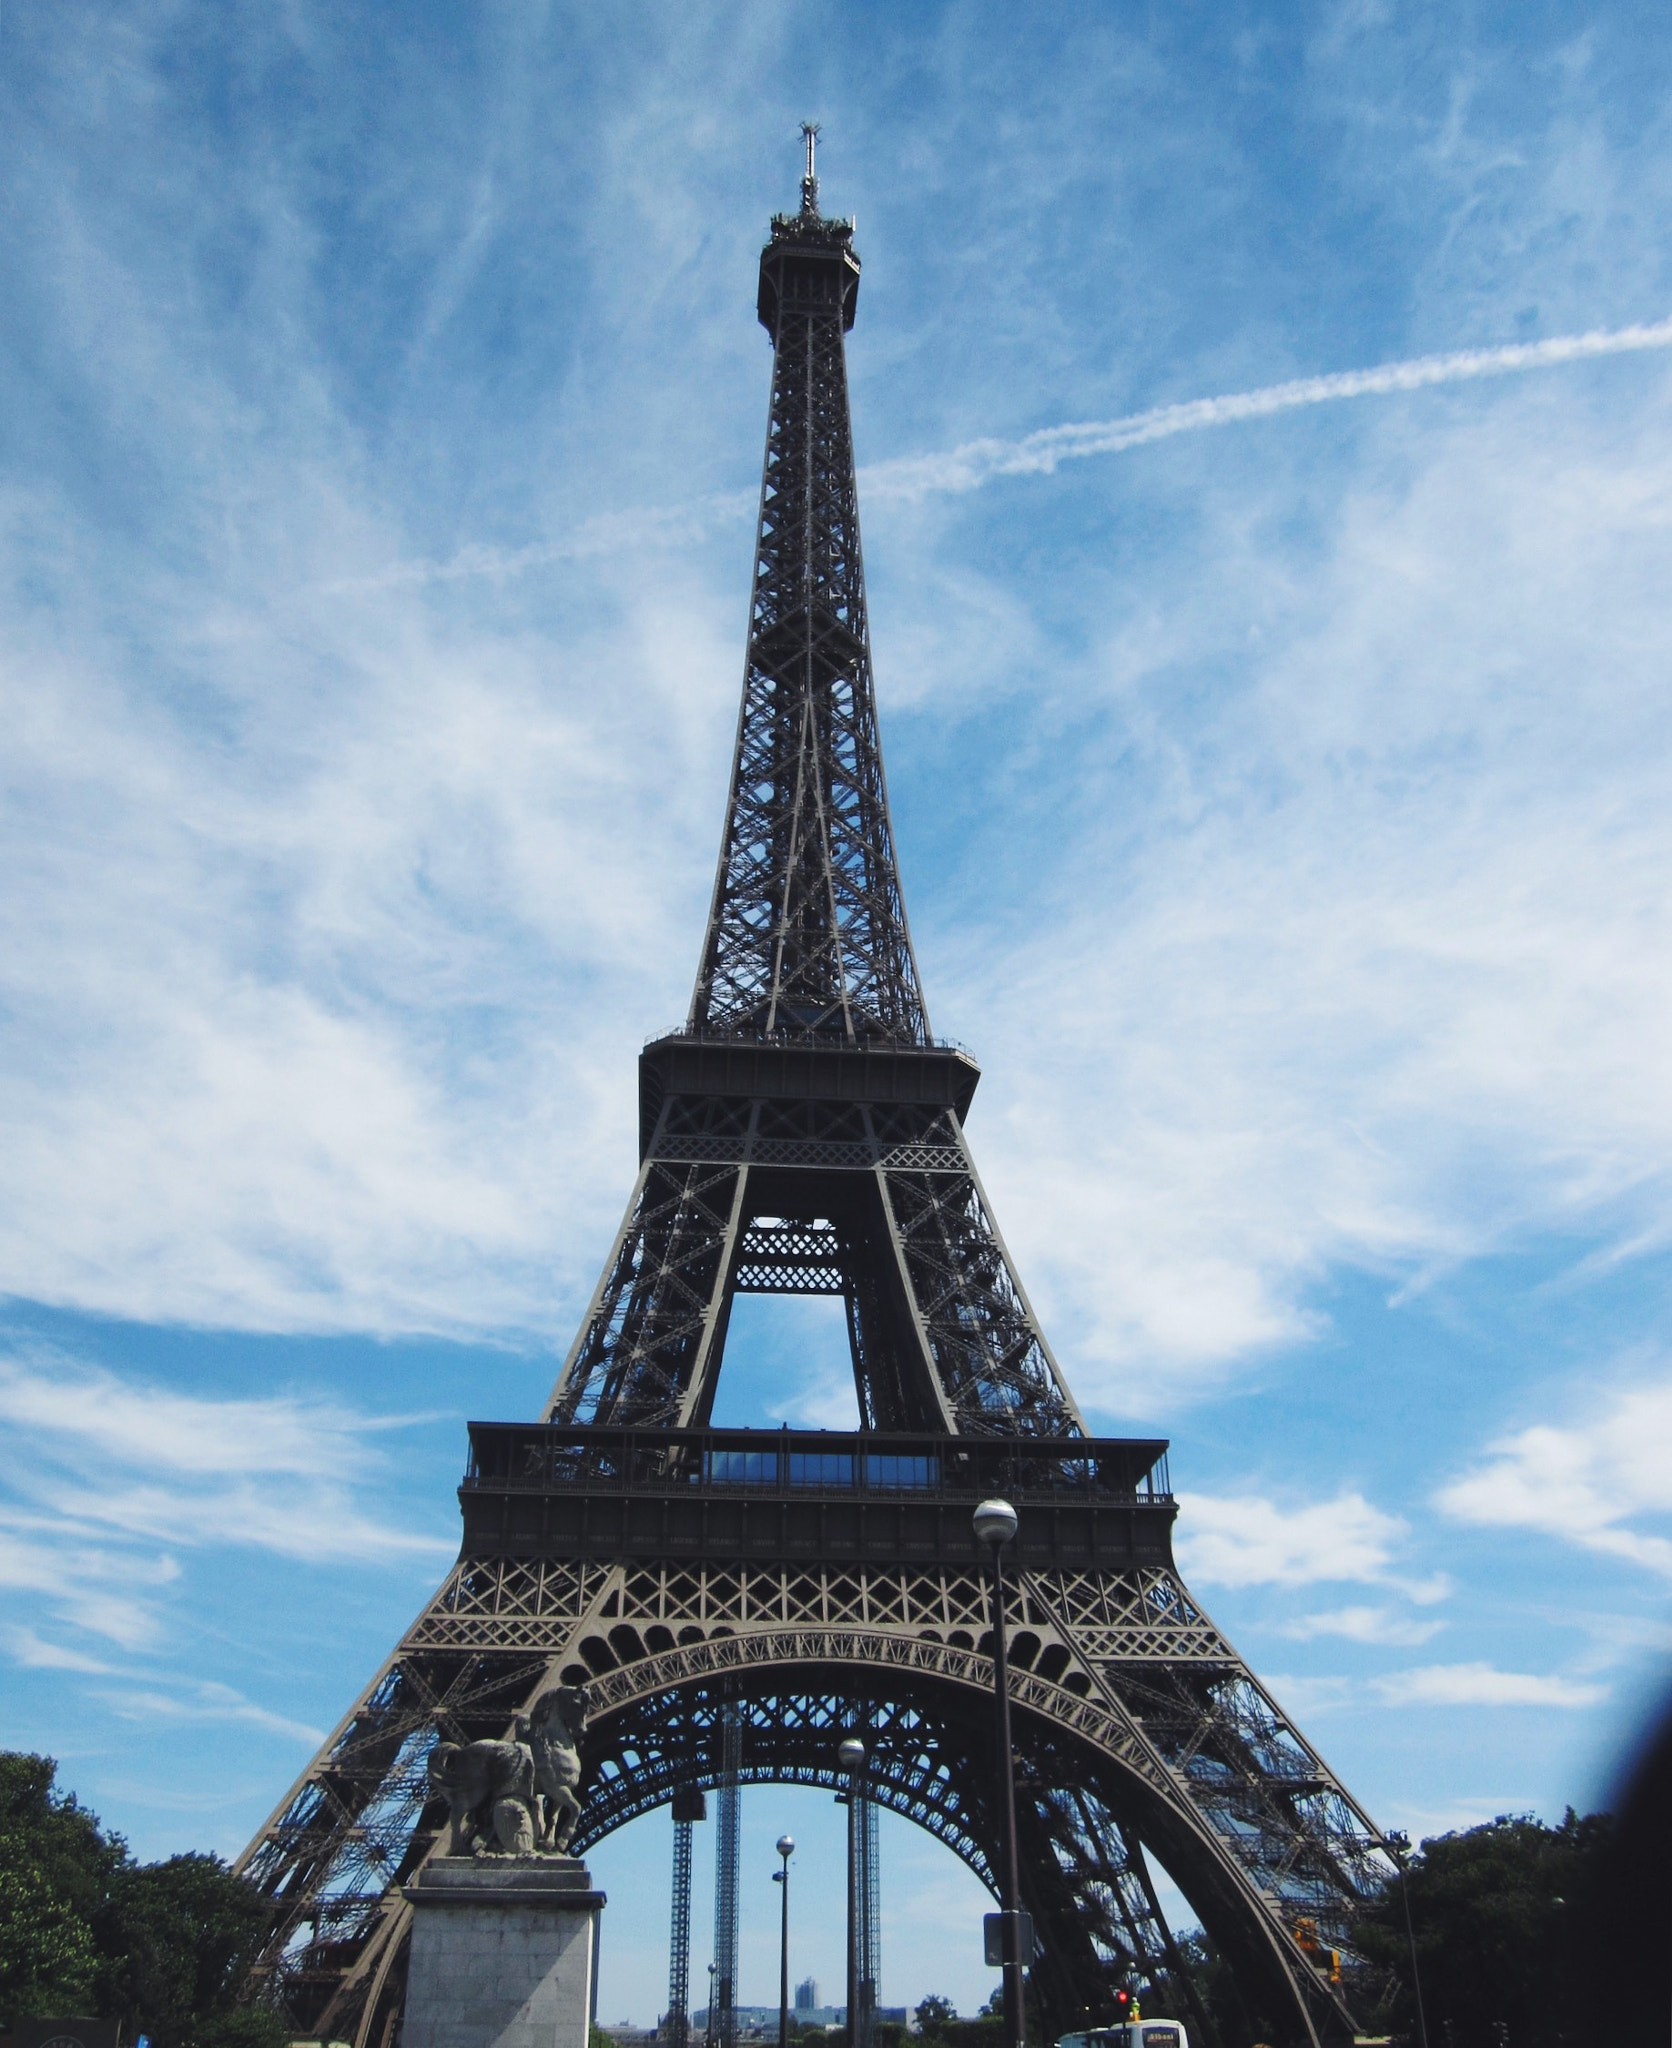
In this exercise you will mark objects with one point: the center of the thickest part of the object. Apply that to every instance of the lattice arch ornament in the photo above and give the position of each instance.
(803, 1132)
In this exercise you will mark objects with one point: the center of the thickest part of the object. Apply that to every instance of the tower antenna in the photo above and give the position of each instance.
(810, 178)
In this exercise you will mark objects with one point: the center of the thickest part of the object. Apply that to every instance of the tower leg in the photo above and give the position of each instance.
(868, 1933)
(723, 2014)
(678, 2026)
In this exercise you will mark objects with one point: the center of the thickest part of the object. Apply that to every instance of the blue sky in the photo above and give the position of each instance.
(1283, 805)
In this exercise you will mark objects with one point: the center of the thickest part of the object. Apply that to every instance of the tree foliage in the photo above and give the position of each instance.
(84, 1929)
(1219, 1996)
(1500, 1919)
(938, 2021)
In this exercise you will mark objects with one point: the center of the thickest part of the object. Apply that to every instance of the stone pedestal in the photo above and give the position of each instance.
(503, 1952)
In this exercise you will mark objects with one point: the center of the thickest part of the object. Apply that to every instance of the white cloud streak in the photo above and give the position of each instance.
(1482, 1685)
(209, 1702)
(1247, 1540)
(106, 1591)
(1363, 1625)
(34, 1653)
(1583, 1482)
(1038, 454)
(108, 1479)
(156, 1427)
(907, 479)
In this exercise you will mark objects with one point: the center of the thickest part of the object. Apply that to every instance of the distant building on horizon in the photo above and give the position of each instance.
(762, 2020)
(807, 1994)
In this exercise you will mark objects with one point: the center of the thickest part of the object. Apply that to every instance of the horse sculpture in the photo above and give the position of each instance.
(516, 1798)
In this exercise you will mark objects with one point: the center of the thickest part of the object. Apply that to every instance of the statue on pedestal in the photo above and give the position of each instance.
(516, 1798)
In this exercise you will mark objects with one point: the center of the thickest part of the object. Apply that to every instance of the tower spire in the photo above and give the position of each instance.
(809, 178)
(807, 933)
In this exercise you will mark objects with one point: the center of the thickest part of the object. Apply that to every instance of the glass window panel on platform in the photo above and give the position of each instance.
(821, 1468)
(741, 1468)
(884, 1470)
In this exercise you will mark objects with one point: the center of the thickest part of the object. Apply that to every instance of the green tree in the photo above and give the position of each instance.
(164, 1947)
(177, 1940)
(1216, 1987)
(56, 1870)
(1498, 1913)
(934, 2015)
(983, 2032)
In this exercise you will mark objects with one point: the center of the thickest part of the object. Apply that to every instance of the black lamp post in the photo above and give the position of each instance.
(1399, 1846)
(786, 1849)
(995, 1525)
(850, 1754)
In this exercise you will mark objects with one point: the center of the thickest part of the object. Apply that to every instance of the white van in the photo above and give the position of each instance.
(1131, 2034)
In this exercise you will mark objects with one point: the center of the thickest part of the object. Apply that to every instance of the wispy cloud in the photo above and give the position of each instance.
(1309, 1695)
(155, 1427)
(1438, 1685)
(34, 1653)
(108, 1479)
(103, 1589)
(1249, 1540)
(909, 478)
(1038, 454)
(206, 1702)
(1363, 1625)
(1481, 1685)
(1349, 958)
(1588, 1482)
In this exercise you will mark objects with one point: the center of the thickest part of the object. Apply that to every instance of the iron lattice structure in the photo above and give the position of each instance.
(865, 1907)
(688, 1807)
(804, 1132)
(722, 1994)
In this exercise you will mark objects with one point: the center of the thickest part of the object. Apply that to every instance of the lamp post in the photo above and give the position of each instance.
(1399, 1845)
(786, 1849)
(995, 1525)
(850, 1754)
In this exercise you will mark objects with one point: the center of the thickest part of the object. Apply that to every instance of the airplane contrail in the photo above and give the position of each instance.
(968, 467)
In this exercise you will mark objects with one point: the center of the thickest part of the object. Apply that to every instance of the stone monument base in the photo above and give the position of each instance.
(503, 1953)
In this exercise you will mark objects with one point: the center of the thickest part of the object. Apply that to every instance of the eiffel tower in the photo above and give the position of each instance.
(803, 1133)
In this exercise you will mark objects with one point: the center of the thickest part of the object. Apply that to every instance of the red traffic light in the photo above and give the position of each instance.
(1123, 2003)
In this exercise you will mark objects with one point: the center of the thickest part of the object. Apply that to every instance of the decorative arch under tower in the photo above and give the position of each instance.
(739, 1600)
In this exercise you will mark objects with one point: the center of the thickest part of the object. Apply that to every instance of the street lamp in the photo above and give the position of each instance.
(850, 1754)
(995, 1525)
(786, 1849)
(1399, 1847)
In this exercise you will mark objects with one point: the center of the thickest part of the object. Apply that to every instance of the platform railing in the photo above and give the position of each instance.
(536, 1457)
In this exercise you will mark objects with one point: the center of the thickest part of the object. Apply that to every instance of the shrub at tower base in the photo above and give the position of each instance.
(87, 1931)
